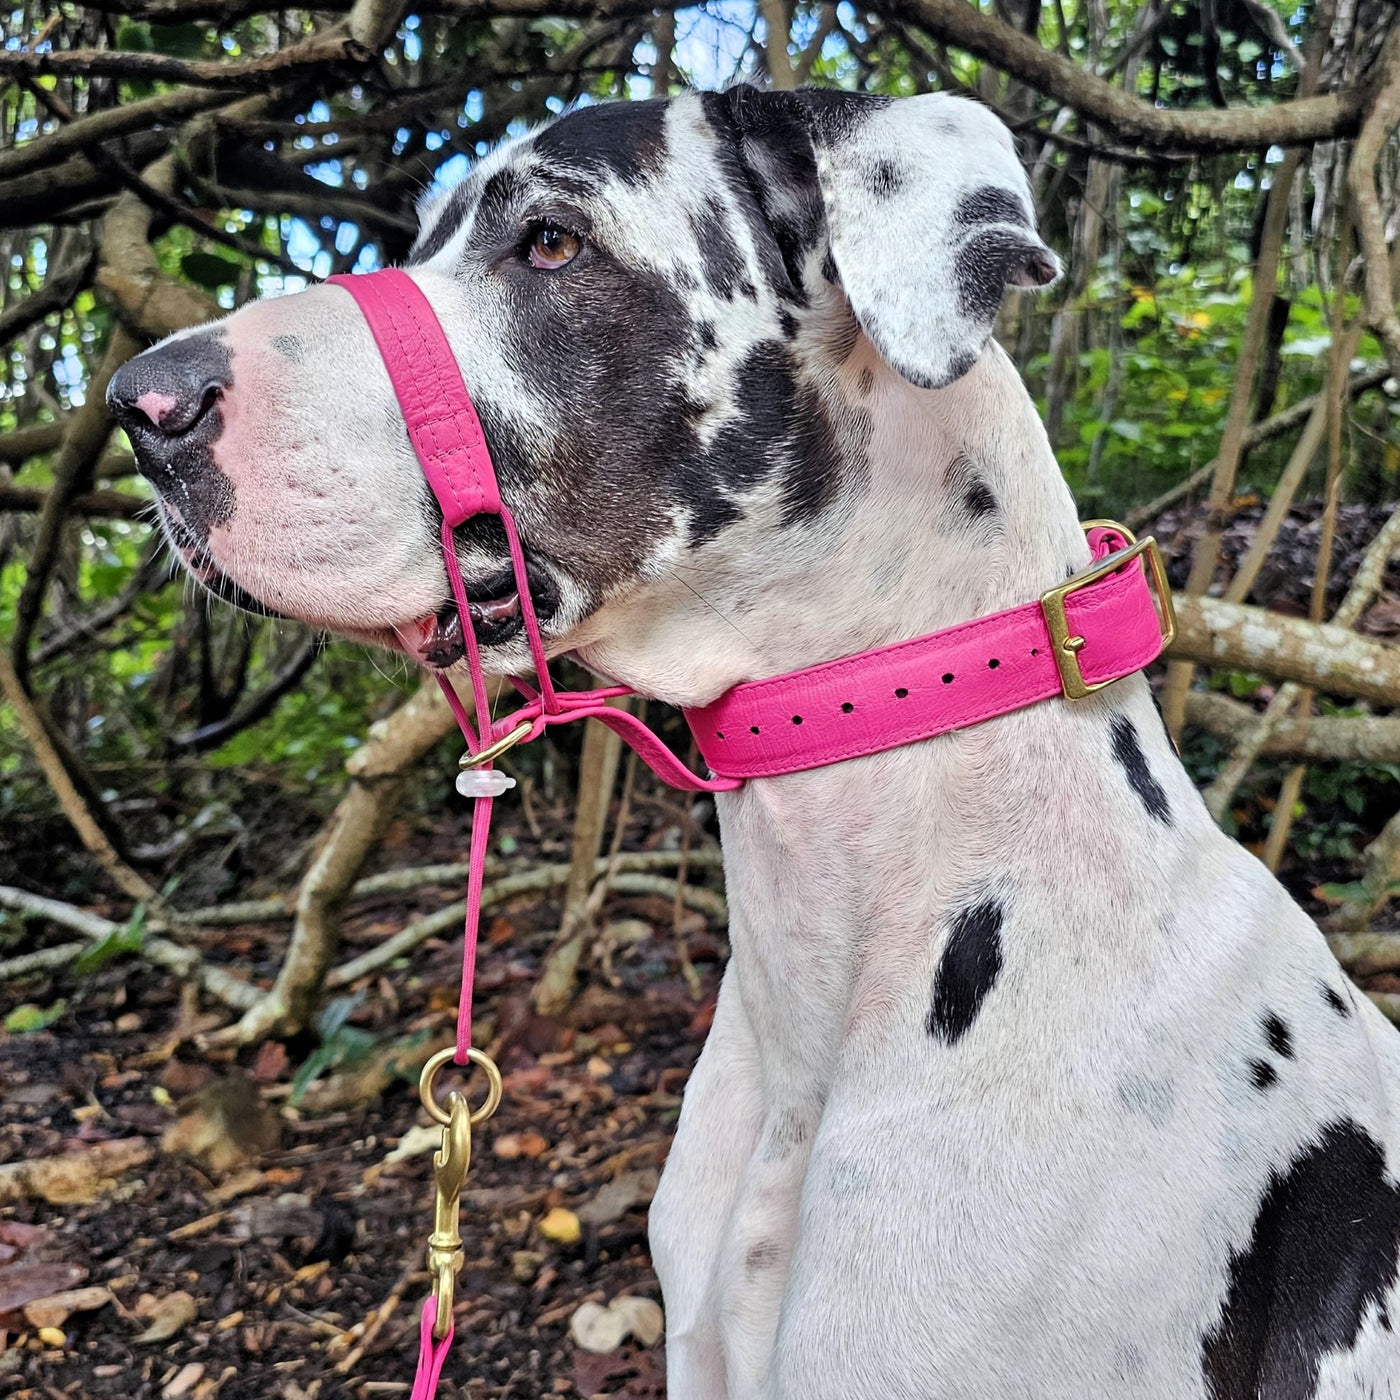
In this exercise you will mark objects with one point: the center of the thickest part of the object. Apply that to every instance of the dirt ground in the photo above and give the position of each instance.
(241, 1247)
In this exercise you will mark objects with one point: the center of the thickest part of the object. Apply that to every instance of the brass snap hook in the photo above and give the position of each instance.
(450, 1163)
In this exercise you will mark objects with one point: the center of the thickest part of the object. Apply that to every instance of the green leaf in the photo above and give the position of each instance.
(28, 1017)
(118, 943)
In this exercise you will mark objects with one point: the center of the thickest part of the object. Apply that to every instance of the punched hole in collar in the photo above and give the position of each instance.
(947, 678)
(797, 719)
(719, 734)
(753, 729)
(993, 664)
(847, 707)
(901, 692)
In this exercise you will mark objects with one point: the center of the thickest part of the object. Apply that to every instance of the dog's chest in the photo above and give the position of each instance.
(1049, 1109)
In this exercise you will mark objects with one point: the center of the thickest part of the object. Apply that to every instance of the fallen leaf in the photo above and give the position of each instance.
(224, 1126)
(619, 1195)
(645, 1320)
(512, 1145)
(603, 1329)
(239, 1184)
(23, 1283)
(561, 1226)
(168, 1317)
(73, 1178)
(597, 1329)
(271, 1062)
(57, 1308)
(186, 1378)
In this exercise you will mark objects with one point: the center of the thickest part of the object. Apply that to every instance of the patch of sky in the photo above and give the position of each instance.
(328, 172)
(713, 45)
(68, 371)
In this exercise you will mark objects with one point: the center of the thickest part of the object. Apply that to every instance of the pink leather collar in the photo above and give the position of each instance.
(1099, 626)
(946, 680)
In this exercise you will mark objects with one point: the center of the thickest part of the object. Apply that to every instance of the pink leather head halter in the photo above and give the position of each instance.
(1099, 626)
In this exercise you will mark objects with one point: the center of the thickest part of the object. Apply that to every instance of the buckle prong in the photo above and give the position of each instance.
(1065, 647)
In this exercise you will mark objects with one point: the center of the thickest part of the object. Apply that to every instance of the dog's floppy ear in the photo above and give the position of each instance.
(926, 209)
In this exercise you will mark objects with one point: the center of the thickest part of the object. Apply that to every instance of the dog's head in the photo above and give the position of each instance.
(669, 315)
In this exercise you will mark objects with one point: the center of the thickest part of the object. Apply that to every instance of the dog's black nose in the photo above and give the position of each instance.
(167, 393)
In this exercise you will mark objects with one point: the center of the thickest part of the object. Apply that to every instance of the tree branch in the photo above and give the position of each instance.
(111, 505)
(1131, 119)
(1383, 117)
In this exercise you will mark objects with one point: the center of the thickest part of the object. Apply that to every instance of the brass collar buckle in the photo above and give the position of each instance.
(1065, 646)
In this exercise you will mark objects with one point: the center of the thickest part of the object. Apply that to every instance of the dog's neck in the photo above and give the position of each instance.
(956, 509)
(843, 880)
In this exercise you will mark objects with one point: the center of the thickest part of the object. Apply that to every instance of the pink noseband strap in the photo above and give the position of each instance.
(1108, 625)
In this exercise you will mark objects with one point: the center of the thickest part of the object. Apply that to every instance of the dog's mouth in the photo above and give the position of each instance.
(433, 640)
(494, 608)
(200, 563)
(436, 640)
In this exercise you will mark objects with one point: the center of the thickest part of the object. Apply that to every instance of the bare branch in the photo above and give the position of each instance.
(110, 505)
(1130, 119)
(1381, 120)
(85, 132)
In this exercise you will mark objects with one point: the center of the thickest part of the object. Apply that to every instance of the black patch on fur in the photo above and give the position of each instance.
(781, 430)
(961, 361)
(886, 180)
(773, 177)
(833, 115)
(1321, 1255)
(1280, 1038)
(178, 460)
(1128, 752)
(626, 139)
(990, 205)
(290, 347)
(789, 324)
(446, 224)
(967, 971)
(964, 486)
(829, 269)
(720, 258)
(763, 1255)
(1262, 1074)
(978, 500)
(1336, 1001)
(705, 332)
(783, 1133)
(982, 268)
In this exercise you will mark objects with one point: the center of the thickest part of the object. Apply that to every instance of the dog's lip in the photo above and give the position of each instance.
(436, 639)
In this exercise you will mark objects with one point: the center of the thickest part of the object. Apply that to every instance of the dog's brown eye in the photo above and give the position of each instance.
(553, 247)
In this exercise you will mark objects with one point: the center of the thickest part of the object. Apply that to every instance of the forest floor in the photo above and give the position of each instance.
(206, 1238)
(175, 1220)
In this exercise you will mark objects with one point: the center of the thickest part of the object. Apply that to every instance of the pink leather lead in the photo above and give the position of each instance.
(843, 709)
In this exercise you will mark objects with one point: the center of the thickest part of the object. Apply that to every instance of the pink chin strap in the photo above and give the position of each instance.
(1101, 625)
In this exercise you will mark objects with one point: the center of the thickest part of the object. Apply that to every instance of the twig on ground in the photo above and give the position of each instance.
(184, 962)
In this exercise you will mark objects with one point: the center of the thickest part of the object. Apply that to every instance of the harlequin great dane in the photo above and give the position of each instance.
(1024, 1081)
